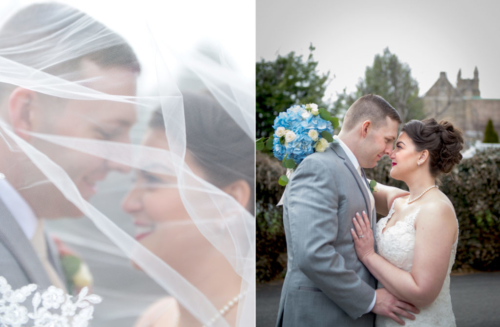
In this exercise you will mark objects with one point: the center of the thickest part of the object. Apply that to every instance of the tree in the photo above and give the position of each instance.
(490, 135)
(286, 81)
(392, 80)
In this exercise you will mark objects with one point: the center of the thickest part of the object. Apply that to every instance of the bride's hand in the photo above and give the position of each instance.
(363, 237)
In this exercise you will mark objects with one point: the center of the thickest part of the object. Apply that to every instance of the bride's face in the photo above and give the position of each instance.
(162, 223)
(404, 157)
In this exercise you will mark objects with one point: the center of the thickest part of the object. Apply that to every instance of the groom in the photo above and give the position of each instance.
(326, 284)
(27, 253)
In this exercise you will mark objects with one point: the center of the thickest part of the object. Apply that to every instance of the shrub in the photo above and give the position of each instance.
(270, 238)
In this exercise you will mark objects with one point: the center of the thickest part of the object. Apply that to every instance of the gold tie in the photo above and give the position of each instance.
(40, 245)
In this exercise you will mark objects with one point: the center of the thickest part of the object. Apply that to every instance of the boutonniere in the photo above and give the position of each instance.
(76, 271)
(373, 186)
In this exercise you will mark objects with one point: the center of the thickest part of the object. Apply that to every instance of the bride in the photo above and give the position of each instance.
(162, 220)
(416, 242)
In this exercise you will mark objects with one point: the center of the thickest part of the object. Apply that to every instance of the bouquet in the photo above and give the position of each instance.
(298, 132)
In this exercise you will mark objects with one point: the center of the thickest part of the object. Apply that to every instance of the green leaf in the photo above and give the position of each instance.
(282, 140)
(284, 160)
(283, 180)
(70, 264)
(373, 183)
(260, 146)
(323, 113)
(335, 122)
(327, 136)
(269, 143)
(290, 164)
(261, 140)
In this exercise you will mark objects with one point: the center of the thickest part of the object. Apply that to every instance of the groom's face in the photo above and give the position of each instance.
(378, 142)
(92, 120)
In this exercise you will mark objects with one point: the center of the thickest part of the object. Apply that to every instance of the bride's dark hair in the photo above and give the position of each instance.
(443, 141)
(208, 122)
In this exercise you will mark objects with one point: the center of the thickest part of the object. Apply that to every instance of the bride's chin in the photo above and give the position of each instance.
(395, 176)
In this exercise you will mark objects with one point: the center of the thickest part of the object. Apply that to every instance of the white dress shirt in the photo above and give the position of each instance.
(18, 207)
(356, 165)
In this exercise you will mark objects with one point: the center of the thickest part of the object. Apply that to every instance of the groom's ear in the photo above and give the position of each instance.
(22, 111)
(365, 127)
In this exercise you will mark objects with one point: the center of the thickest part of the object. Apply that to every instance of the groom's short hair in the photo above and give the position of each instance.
(369, 107)
(32, 34)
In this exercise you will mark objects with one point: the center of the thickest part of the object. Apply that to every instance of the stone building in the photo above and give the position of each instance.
(462, 105)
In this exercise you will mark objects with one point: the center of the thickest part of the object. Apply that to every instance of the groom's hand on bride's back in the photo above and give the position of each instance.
(388, 305)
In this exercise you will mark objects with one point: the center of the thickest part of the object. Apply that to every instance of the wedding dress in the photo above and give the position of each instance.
(397, 244)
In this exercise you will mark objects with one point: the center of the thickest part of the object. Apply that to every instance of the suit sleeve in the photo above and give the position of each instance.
(312, 212)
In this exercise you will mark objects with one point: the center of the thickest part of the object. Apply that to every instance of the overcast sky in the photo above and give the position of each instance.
(431, 36)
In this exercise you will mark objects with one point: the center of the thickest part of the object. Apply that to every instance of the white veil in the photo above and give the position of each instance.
(79, 103)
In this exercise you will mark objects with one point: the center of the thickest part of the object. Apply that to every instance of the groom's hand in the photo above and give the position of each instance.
(388, 305)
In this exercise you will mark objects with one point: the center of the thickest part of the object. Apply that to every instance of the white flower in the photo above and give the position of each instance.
(83, 277)
(375, 189)
(280, 131)
(314, 108)
(53, 297)
(321, 145)
(313, 134)
(305, 115)
(290, 136)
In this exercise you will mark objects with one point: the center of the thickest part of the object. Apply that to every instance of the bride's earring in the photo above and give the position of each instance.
(418, 163)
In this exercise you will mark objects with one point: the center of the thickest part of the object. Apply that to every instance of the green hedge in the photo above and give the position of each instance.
(473, 187)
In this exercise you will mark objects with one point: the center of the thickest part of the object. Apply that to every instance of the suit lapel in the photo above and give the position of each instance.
(361, 184)
(53, 255)
(16, 241)
(373, 213)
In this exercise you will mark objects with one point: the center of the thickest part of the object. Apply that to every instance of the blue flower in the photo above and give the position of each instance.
(281, 121)
(278, 149)
(300, 148)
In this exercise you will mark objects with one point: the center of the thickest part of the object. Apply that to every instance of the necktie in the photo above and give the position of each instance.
(365, 183)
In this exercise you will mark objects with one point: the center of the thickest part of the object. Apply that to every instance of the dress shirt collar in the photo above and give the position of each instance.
(349, 153)
(18, 207)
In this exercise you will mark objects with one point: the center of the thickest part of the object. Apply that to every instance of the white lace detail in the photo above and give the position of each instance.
(13, 314)
(397, 244)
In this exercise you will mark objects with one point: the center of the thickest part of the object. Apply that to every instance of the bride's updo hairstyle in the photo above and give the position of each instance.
(206, 120)
(443, 141)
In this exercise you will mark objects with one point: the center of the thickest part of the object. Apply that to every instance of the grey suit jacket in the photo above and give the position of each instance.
(325, 284)
(19, 263)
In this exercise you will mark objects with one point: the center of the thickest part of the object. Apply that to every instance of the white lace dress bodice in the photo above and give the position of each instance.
(397, 244)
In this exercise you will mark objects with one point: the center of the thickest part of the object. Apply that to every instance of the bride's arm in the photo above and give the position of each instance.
(385, 196)
(436, 232)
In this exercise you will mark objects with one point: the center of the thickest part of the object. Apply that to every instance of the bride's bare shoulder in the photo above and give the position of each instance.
(438, 202)
(437, 209)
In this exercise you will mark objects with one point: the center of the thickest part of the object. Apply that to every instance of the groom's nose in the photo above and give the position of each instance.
(388, 150)
(123, 168)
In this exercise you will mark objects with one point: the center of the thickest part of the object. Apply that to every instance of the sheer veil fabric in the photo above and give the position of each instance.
(137, 150)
